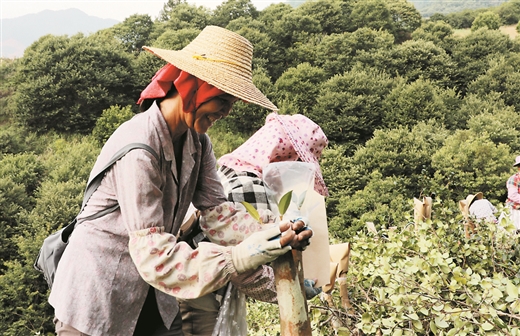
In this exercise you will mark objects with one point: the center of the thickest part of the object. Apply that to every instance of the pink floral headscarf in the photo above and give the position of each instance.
(282, 138)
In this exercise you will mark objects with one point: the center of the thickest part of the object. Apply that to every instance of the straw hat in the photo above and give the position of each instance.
(465, 204)
(221, 58)
(517, 161)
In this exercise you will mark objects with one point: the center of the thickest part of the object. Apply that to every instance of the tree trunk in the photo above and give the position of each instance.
(288, 273)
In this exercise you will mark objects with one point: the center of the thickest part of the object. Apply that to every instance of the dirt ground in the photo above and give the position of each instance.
(508, 30)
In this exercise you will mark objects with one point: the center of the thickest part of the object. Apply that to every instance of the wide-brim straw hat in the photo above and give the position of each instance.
(517, 161)
(221, 58)
(465, 204)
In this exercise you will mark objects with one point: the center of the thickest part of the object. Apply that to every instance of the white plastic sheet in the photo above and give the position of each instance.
(231, 320)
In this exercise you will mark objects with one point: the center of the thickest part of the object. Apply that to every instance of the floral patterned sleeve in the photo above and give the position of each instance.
(175, 268)
(229, 223)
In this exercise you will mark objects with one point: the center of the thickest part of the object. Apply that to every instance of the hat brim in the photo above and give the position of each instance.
(224, 76)
(471, 198)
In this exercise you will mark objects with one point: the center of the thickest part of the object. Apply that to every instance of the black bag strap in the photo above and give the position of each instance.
(94, 183)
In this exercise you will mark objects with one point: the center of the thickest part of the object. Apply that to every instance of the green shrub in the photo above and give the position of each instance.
(109, 121)
(24, 169)
(502, 76)
(418, 101)
(299, 86)
(64, 84)
(434, 281)
(13, 200)
(468, 163)
(349, 107)
(494, 118)
(383, 201)
(15, 139)
(489, 20)
(23, 291)
(70, 159)
(224, 143)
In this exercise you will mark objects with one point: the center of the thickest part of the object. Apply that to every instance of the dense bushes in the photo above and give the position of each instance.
(434, 281)
(64, 84)
(109, 121)
(62, 174)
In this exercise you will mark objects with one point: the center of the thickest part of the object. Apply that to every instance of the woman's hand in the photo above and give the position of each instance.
(303, 234)
(262, 247)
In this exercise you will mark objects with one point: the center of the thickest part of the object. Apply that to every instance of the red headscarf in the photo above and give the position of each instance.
(193, 91)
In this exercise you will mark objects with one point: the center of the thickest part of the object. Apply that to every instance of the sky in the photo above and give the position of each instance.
(106, 9)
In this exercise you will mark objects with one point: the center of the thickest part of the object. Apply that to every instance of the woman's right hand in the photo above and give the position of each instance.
(303, 234)
(262, 247)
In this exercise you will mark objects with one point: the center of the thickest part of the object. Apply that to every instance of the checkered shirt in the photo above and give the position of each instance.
(244, 186)
(513, 186)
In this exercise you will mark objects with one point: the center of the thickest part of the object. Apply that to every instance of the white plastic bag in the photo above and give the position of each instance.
(231, 320)
(282, 177)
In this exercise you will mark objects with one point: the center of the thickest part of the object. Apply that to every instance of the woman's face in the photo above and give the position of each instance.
(211, 111)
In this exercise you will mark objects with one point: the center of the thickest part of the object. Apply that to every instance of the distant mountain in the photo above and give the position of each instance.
(19, 33)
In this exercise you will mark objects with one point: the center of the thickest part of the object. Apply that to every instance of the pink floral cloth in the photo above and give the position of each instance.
(282, 138)
(513, 191)
(163, 262)
(229, 223)
(175, 268)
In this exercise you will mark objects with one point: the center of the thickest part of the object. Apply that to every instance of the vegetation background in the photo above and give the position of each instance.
(412, 106)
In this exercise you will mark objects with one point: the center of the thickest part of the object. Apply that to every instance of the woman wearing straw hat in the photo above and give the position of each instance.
(282, 138)
(513, 195)
(121, 273)
(481, 209)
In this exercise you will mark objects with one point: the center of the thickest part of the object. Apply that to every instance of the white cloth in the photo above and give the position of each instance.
(515, 217)
(483, 209)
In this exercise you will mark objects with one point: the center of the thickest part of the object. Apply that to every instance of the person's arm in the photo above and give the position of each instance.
(258, 284)
(512, 189)
(171, 266)
(168, 265)
(229, 223)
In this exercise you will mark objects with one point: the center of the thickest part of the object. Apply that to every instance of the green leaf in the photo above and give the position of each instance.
(417, 325)
(439, 306)
(342, 331)
(433, 327)
(283, 205)
(365, 318)
(252, 211)
(389, 322)
(512, 290)
(413, 316)
(487, 326)
(440, 322)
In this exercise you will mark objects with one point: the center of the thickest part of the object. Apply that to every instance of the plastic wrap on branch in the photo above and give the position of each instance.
(298, 178)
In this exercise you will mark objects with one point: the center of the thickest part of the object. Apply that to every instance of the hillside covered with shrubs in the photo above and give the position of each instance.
(410, 109)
